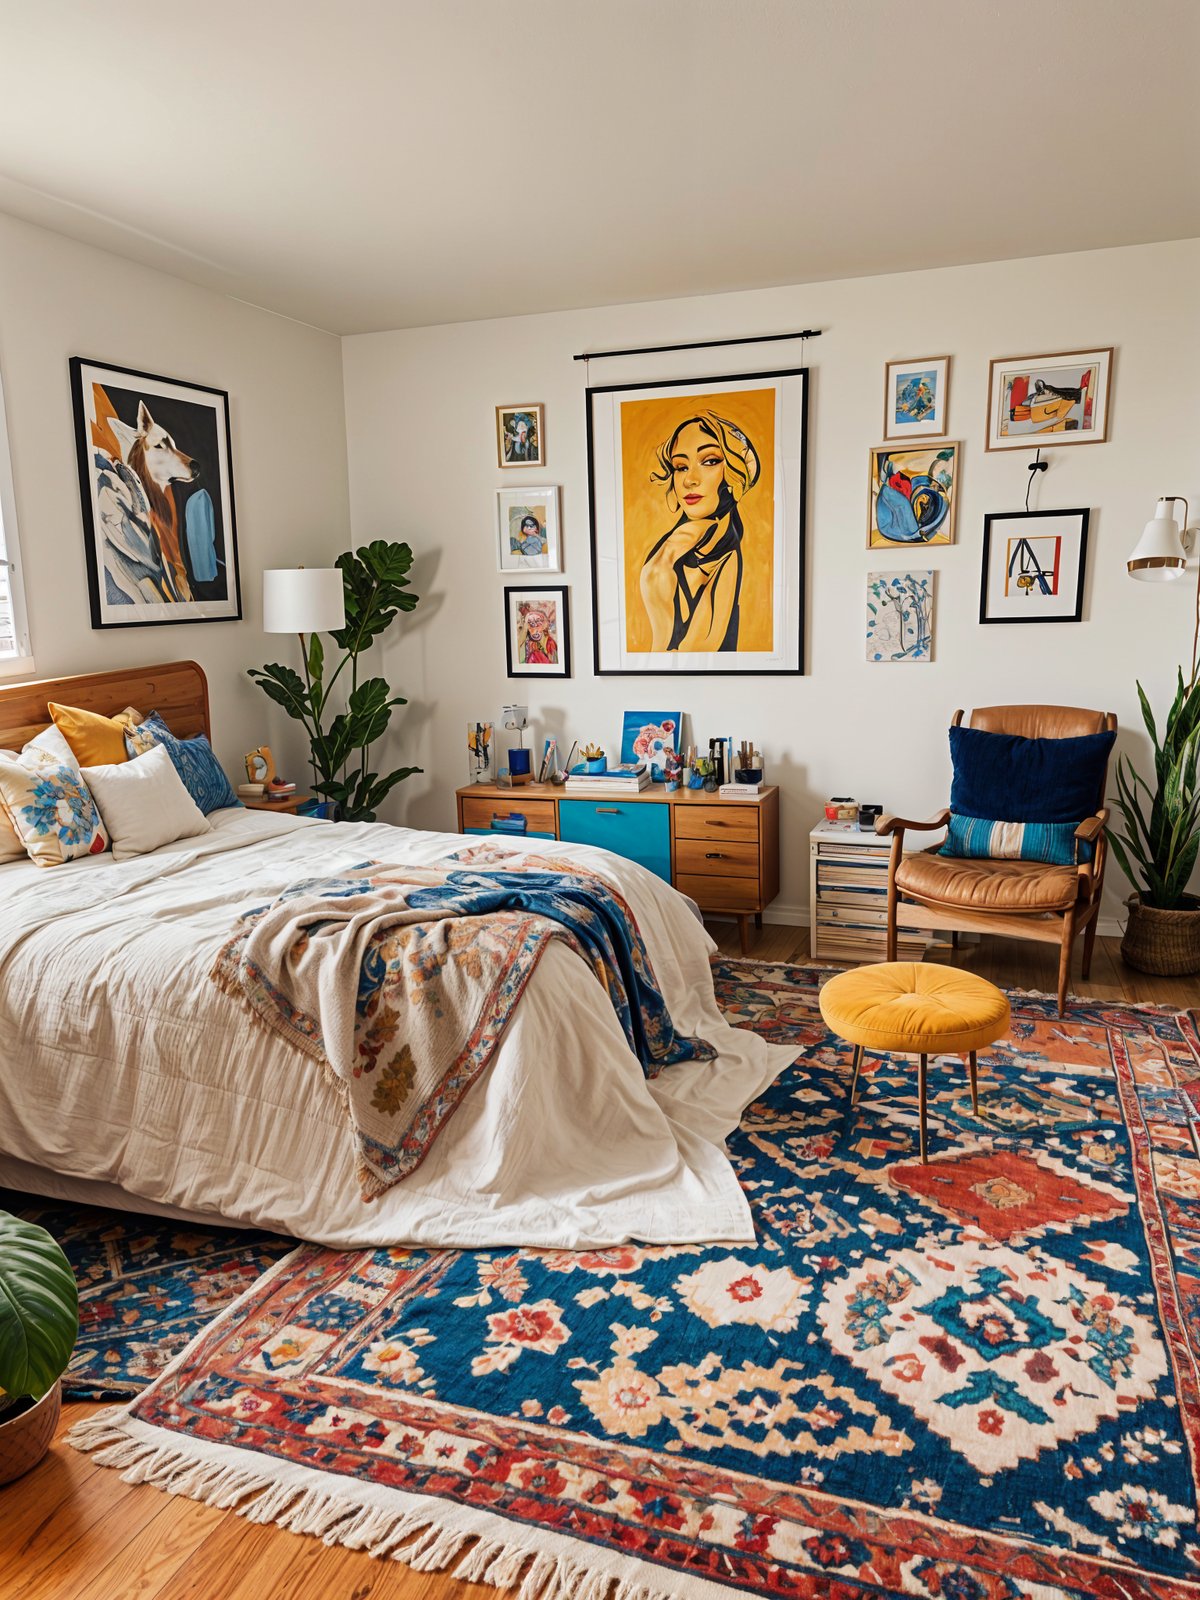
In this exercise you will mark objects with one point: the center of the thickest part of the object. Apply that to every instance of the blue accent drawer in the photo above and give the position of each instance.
(641, 830)
(507, 833)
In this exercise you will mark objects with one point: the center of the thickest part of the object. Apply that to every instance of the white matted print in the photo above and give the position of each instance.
(916, 398)
(1050, 400)
(1033, 566)
(537, 634)
(900, 616)
(527, 530)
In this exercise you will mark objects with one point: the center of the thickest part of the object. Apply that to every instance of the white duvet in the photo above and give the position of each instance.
(122, 1064)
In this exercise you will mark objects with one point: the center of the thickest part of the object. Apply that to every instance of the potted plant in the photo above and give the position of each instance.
(375, 584)
(39, 1322)
(1157, 846)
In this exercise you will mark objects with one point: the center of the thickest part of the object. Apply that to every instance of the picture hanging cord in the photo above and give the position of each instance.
(696, 344)
(1034, 468)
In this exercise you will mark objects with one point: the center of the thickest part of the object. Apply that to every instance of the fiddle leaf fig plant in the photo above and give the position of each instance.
(39, 1312)
(375, 586)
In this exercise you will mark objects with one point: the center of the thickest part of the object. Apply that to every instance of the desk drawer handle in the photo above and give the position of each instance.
(715, 855)
(608, 811)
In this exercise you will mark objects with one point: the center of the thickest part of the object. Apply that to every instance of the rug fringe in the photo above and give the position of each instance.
(421, 1538)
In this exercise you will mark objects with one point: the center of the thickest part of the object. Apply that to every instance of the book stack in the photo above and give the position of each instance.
(629, 778)
(740, 791)
(251, 791)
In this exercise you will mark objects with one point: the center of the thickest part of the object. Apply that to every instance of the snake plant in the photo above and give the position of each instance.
(39, 1312)
(1157, 846)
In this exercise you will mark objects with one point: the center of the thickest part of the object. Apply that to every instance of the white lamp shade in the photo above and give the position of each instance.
(1159, 557)
(303, 600)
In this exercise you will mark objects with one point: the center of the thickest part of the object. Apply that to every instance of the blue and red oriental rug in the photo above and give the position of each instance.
(974, 1380)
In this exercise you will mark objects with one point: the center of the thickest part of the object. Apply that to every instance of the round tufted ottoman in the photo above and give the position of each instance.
(915, 1008)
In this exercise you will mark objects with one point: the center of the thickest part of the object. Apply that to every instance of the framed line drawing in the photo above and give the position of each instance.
(156, 493)
(1034, 563)
(697, 495)
(1050, 401)
(916, 398)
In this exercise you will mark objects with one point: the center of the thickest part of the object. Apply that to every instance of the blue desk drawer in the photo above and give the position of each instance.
(641, 830)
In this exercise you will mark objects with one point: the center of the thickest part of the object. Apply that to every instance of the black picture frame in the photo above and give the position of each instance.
(214, 457)
(560, 591)
(701, 383)
(1080, 516)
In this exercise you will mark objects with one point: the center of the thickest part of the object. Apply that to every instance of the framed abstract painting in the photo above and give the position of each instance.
(1049, 400)
(519, 436)
(537, 634)
(1033, 566)
(916, 398)
(900, 616)
(156, 491)
(913, 494)
(697, 492)
(527, 530)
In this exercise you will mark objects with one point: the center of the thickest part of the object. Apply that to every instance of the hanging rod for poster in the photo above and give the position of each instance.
(697, 344)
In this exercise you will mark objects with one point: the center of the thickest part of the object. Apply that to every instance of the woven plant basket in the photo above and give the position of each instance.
(25, 1439)
(1166, 943)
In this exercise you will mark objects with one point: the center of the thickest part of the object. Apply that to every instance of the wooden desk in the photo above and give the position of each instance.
(723, 853)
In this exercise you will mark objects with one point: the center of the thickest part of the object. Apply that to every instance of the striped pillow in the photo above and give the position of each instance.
(978, 838)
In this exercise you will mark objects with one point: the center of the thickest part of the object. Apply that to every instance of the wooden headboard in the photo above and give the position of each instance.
(178, 690)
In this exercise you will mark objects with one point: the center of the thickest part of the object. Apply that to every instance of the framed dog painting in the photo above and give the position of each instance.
(156, 491)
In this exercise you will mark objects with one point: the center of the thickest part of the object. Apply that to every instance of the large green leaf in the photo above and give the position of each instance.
(375, 580)
(286, 687)
(39, 1309)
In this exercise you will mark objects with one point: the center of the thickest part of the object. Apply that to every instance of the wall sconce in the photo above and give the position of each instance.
(1163, 550)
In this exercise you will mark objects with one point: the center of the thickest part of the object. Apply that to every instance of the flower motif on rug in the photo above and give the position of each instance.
(971, 1380)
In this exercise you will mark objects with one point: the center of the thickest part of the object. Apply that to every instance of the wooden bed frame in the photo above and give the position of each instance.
(177, 690)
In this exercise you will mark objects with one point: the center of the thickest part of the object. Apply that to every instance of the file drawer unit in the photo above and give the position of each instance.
(724, 854)
(848, 899)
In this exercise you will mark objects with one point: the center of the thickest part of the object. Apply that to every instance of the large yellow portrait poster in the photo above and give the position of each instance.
(698, 518)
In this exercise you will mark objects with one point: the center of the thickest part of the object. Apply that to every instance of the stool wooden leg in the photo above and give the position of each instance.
(921, 1070)
(972, 1065)
(858, 1056)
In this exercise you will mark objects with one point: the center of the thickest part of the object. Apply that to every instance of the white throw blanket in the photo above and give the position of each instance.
(123, 1063)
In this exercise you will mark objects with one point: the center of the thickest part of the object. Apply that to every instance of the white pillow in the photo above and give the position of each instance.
(143, 803)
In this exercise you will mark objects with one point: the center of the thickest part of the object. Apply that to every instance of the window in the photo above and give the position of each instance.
(15, 654)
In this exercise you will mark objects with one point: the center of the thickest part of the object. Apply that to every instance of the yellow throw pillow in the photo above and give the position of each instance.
(95, 741)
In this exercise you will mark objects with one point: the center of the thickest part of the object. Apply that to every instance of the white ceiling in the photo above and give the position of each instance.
(387, 163)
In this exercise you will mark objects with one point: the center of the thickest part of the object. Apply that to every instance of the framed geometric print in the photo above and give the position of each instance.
(1033, 566)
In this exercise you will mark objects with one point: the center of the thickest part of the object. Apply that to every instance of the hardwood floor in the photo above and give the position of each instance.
(70, 1530)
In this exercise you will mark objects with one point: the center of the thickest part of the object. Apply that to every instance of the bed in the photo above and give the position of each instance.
(128, 1078)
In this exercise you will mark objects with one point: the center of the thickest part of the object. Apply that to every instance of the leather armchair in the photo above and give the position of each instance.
(1022, 899)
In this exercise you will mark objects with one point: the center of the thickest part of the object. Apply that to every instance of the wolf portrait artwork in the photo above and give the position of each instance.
(156, 490)
(696, 525)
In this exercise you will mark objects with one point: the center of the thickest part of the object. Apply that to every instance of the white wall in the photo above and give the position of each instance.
(60, 299)
(422, 458)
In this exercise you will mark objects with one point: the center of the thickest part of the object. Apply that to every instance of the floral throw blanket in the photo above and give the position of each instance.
(400, 981)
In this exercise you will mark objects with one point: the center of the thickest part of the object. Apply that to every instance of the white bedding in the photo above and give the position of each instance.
(123, 1064)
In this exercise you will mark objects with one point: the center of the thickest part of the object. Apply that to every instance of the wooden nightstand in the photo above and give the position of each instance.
(723, 853)
(291, 802)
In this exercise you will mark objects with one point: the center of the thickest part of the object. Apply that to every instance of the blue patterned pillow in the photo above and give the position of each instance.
(978, 839)
(193, 759)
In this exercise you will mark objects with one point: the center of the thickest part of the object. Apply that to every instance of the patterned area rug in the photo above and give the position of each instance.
(146, 1287)
(974, 1380)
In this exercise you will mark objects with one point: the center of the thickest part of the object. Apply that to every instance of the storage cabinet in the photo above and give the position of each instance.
(724, 854)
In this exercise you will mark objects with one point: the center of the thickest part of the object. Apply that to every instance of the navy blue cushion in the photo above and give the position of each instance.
(1006, 778)
(193, 759)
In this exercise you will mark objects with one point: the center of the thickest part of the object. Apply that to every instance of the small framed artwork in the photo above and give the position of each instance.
(537, 633)
(260, 765)
(1033, 566)
(900, 616)
(913, 494)
(916, 398)
(650, 736)
(527, 530)
(1049, 400)
(519, 436)
(156, 490)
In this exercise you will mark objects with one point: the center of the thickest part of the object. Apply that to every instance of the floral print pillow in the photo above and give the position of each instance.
(49, 809)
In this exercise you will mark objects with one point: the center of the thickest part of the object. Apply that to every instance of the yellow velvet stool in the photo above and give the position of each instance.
(915, 1008)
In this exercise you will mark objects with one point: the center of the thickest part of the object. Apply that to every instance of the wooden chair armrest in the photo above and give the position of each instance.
(891, 824)
(1093, 826)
